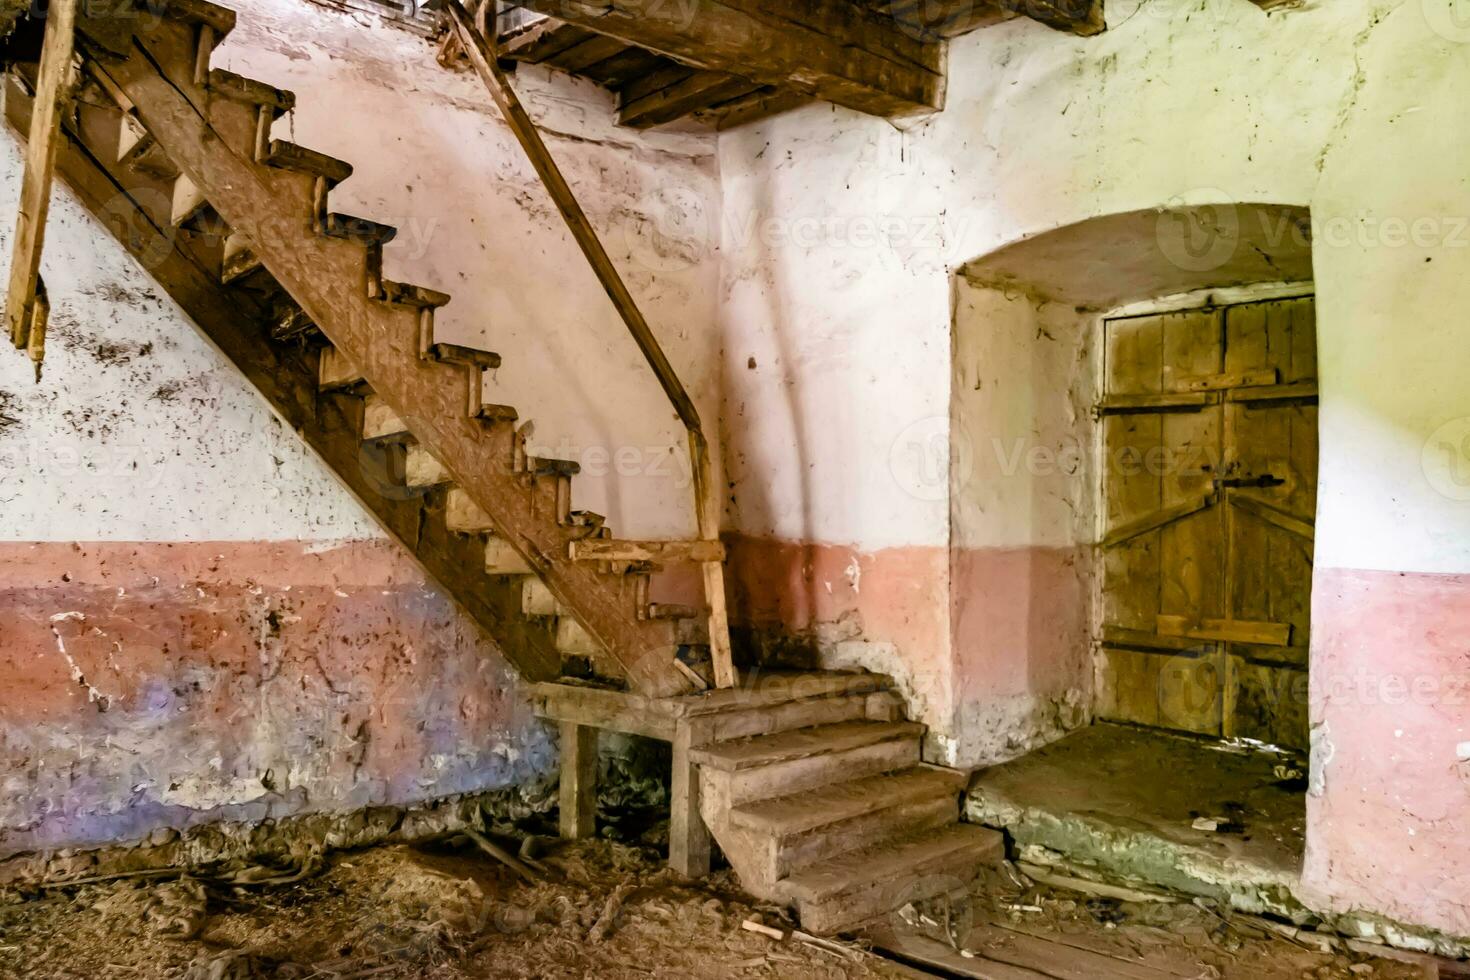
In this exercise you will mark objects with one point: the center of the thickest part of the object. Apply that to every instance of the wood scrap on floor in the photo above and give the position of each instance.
(1012, 927)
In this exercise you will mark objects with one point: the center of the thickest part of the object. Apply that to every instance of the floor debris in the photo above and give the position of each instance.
(602, 909)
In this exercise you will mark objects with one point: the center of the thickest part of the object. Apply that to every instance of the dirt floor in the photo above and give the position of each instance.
(604, 910)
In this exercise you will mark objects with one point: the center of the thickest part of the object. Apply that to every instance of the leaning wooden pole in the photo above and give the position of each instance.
(24, 316)
(707, 501)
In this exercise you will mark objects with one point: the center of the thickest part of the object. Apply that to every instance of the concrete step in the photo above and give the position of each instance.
(846, 891)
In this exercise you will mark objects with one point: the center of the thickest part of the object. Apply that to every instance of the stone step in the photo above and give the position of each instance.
(846, 891)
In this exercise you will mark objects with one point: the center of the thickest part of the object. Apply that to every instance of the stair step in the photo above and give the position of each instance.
(360, 230)
(423, 470)
(139, 151)
(379, 421)
(242, 89)
(845, 891)
(673, 610)
(574, 641)
(803, 743)
(292, 156)
(537, 600)
(586, 518)
(457, 354)
(189, 201)
(502, 559)
(787, 715)
(290, 323)
(497, 413)
(336, 372)
(407, 294)
(543, 466)
(463, 516)
(240, 261)
(222, 19)
(784, 816)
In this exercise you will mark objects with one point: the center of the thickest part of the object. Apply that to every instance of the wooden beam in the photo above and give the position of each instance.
(1156, 520)
(578, 781)
(1227, 630)
(696, 92)
(689, 837)
(706, 495)
(951, 18)
(53, 85)
(607, 549)
(833, 50)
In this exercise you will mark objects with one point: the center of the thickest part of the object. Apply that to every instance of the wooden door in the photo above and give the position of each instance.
(1210, 441)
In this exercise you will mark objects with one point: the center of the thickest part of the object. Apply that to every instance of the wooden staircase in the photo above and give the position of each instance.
(178, 158)
(811, 784)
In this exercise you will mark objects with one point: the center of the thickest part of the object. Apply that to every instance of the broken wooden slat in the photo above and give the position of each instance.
(1227, 630)
(1159, 518)
(52, 95)
(607, 549)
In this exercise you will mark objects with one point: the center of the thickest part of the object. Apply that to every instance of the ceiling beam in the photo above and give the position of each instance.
(832, 50)
(950, 18)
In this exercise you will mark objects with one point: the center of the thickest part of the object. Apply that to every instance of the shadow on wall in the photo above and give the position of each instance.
(1023, 496)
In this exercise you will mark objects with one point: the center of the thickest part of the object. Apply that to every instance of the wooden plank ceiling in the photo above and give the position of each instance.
(737, 61)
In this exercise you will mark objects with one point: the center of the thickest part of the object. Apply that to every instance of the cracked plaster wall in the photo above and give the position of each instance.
(842, 235)
(196, 622)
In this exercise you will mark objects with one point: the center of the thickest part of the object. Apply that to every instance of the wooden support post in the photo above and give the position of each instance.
(706, 497)
(53, 91)
(689, 839)
(578, 781)
(707, 507)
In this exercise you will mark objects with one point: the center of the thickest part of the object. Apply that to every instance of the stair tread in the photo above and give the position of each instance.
(798, 812)
(362, 230)
(762, 689)
(894, 859)
(408, 294)
(546, 466)
(222, 19)
(294, 156)
(458, 353)
(803, 743)
(239, 87)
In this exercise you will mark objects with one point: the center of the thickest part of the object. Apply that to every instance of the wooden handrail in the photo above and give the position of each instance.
(706, 503)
